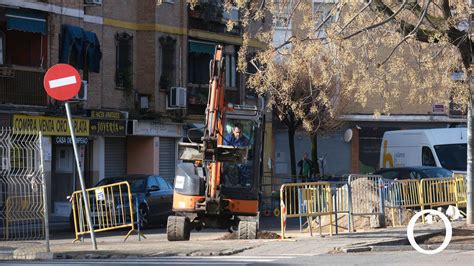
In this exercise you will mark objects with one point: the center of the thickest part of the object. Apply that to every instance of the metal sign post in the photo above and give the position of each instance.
(81, 178)
(62, 82)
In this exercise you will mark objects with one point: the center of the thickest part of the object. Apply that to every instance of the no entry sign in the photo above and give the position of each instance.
(62, 82)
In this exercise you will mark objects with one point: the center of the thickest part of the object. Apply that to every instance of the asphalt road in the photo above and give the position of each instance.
(370, 258)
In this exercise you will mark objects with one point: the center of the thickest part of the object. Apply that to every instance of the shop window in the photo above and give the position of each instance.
(427, 157)
(168, 57)
(123, 59)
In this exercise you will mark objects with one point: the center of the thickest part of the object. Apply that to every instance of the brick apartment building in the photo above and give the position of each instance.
(145, 67)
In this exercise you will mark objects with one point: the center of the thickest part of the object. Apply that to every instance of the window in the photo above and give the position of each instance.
(389, 174)
(415, 175)
(123, 59)
(241, 175)
(320, 12)
(151, 182)
(452, 156)
(168, 50)
(437, 172)
(162, 184)
(427, 158)
(230, 71)
(2, 45)
(198, 68)
(136, 184)
(282, 14)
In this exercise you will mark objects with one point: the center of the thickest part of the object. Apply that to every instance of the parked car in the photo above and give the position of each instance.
(155, 196)
(154, 193)
(415, 172)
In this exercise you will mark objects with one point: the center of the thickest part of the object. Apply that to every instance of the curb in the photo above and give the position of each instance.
(356, 249)
(423, 246)
(393, 245)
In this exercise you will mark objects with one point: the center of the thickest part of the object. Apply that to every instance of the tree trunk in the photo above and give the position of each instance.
(314, 153)
(470, 156)
(291, 140)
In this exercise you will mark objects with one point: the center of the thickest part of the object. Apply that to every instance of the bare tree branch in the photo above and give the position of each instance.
(373, 26)
(446, 9)
(328, 16)
(410, 35)
(356, 15)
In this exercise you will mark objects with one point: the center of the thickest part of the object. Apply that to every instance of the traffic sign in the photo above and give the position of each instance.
(62, 82)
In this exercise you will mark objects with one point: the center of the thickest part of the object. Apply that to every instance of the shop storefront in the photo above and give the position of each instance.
(61, 173)
(152, 148)
(108, 129)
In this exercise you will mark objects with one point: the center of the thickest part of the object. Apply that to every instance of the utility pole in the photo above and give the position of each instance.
(470, 156)
(470, 134)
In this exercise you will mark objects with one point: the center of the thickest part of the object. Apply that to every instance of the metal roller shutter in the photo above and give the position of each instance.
(115, 157)
(167, 158)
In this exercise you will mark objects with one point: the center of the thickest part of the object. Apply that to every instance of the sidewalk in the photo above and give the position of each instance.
(205, 243)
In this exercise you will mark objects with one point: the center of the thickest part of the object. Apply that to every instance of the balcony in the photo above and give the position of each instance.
(22, 86)
(212, 17)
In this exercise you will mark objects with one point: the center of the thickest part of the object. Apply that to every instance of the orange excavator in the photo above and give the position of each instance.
(217, 185)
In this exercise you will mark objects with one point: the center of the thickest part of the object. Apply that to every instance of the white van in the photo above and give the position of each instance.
(442, 147)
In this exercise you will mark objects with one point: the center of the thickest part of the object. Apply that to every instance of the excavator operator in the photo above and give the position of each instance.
(237, 138)
(236, 175)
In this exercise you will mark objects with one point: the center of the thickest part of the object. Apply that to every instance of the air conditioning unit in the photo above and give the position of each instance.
(82, 95)
(93, 2)
(177, 98)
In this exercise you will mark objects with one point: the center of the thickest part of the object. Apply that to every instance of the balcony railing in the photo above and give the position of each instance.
(211, 17)
(22, 85)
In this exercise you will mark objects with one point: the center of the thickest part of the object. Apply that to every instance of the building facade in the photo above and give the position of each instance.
(145, 77)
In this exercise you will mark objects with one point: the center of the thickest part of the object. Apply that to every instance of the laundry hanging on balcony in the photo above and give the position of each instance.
(92, 49)
(26, 20)
(81, 47)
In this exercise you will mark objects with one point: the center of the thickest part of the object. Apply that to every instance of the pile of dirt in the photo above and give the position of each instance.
(267, 235)
(365, 196)
(363, 222)
(463, 235)
(365, 199)
(392, 216)
(360, 222)
(228, 236)
(260, 235)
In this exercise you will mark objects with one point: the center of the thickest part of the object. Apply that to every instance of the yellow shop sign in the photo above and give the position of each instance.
(50, 126)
